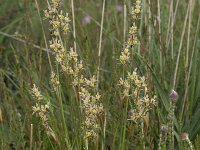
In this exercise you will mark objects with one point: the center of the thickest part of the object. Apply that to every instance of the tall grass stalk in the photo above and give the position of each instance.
(45, 39)
(74, 25)
(31, 137)
(100, 43)
(142, 135)
(159, 34)
(190, 68)
(172, 29)
(180, 48)
(125, 22)
(150, 28)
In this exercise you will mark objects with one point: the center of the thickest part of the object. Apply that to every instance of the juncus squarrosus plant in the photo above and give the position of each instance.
(134, 87)
(74, 68)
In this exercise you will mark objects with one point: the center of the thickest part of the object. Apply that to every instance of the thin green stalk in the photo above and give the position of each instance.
(171, 126)
(104, 131)
(25, 42)
(31, 137)
(190, 68)
(180, 48)
(125, 22)
(170, 18)
(65, 125)
(45, 39)
(149, 27)
(173, 19)
(73, 22)
(63, 114)
(124, 121)
(159, 32)
(142, 135)
(85, 141)
(188, 36)
(100, 42)
(160, 141)
(189, 143)
(172, 31)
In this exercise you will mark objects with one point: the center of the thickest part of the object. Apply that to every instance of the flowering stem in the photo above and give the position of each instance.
(73, 21)
(45, 39)
(31, 137)
(125, 17)
(104, 132)
(171, 126)
(124, 125)
(160, 141)
(142, 134)
(86, 142)
(189, 143)
(172, 130)
(64, 121)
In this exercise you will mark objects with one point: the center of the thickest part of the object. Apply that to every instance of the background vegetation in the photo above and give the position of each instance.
(168, 55)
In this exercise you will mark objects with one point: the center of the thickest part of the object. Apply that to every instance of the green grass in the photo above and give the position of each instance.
(162, 49)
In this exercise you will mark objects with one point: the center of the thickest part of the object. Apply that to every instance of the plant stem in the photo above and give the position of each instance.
(124, 27)
(104, 131)
(100, 42)
(142, 135)
(124, 125)
(180, 48)
(73, 22)
(31, 137)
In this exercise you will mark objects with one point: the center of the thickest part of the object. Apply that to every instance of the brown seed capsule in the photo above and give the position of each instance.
(164, 129)
(131, 112)
(173, 96)
(184, 136)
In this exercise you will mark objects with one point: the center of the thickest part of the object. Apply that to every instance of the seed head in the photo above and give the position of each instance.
(184, 136)
(131, 112)
(164, 129)
(173, 96)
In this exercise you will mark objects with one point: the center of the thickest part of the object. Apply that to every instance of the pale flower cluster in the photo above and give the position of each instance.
(57, 20)
(68, 60)
(73, 66)
(91, 106)
(132, 34)
(39, 108)
(54, 81)
(135, 11)
(135, 88)
(125, 55)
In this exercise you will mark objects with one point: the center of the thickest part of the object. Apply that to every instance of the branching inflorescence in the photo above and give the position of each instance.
(92, 107)
(41, 110)
(132, 36)
(135, 86)
(73, 66)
